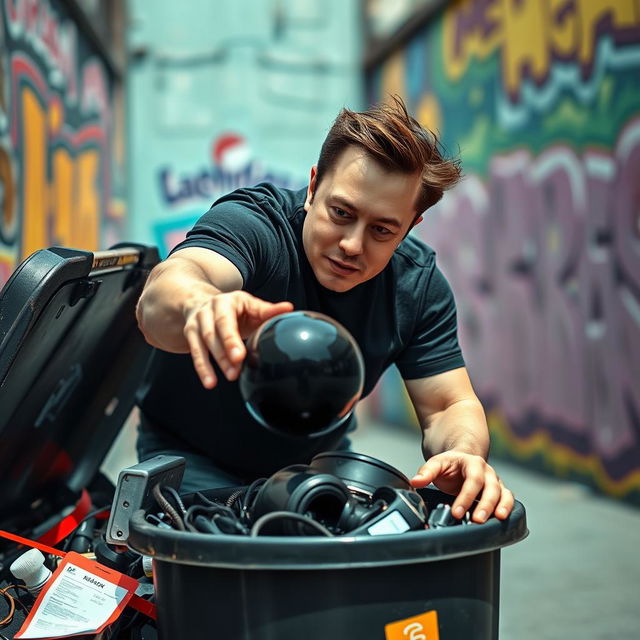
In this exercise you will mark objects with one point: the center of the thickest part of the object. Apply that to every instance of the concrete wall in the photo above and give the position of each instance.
(541, 241)
(230, 93)
(56, 133)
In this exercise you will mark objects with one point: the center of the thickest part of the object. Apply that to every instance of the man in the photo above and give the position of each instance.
(339, 247)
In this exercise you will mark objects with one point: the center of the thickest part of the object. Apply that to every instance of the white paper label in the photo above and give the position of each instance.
(76, 602)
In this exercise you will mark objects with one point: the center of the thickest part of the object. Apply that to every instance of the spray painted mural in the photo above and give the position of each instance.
(541, 241)
(187, 194)
(55, 127)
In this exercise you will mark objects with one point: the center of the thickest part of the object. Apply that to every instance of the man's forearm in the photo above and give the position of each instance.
(160, 309)
(462, 427)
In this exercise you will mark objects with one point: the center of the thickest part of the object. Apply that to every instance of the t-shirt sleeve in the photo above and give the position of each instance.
(240, 230)
(434, 346)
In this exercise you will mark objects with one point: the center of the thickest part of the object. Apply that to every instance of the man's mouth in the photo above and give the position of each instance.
(341, 268)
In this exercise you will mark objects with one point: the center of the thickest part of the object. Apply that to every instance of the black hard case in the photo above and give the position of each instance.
(71, 357)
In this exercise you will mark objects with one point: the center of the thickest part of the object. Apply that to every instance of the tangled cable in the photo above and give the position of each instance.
(12, 601)
(231, 517)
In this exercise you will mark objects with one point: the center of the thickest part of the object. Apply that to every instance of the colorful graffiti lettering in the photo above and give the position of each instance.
(213, 182)
(232, 168)
(541, 241)
(54, 151)
(545, 257)
(547, 279)
(534, 38)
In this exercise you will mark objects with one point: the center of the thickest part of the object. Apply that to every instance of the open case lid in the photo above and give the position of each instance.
(71, 357)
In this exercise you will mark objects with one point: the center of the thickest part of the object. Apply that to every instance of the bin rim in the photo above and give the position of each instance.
(318, 553)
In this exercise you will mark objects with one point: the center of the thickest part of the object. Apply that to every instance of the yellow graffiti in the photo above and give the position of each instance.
(35, 186)
(62, 195)
(429, 113)
(56, 117)
(6, 267)
(460, 48)
(393, 76)
(529, 33)
(65, 211)
(562, 458)
(7, 214)
(88, 202)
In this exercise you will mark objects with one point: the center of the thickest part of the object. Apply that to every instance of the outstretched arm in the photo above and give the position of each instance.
(455, 443)
(193, 303)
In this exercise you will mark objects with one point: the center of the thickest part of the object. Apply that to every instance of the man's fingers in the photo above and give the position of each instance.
(201, 360)
(505, 505)
(235, 322)
(489, 499)
(471, 487)
(215, 330)
(268, 310)
(427, 473)
(229, 350)
(472, 480)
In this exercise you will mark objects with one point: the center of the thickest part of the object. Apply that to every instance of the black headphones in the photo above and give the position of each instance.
(343, 492)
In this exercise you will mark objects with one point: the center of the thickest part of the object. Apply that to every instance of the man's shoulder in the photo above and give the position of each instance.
(414, 253)
(265, 197)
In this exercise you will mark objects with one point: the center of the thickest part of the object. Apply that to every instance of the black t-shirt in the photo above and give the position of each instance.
(404, 316)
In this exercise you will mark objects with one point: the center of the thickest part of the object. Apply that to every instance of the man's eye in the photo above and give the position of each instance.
(341, 213)
(383, 231)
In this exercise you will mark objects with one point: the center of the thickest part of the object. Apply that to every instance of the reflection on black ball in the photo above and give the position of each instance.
(303, 374)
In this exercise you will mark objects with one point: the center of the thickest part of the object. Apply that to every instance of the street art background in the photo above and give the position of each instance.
(225, 95)
(541, 241)
(187, 193)
(55, 133)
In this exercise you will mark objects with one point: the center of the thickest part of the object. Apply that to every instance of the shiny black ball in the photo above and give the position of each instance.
(303, 374)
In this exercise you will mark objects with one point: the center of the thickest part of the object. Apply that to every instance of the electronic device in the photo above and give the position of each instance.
(134, 491)
(71, 357)
(326, 499)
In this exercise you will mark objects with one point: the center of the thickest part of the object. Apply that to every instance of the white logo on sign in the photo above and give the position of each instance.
(413, 631)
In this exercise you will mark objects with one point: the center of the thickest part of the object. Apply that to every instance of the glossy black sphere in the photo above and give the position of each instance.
(303, 374)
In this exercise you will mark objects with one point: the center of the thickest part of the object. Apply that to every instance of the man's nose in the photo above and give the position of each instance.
(352, 242)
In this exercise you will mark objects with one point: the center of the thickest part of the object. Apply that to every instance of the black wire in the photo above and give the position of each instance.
(190, 520)
(197, 512)
(210, 510)
(276, 515)
(203, 525)
(176, 496)
(206, 500)
(71, 535)
(233, 497)
(232, 525)
(249, 497)
(168, 508)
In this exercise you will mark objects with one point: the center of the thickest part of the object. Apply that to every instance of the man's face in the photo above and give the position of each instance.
(356, 217)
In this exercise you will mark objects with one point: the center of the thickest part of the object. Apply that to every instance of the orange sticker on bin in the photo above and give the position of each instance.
(421, 627)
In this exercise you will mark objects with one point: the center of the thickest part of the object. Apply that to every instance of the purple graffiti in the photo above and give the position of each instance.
(544, 258)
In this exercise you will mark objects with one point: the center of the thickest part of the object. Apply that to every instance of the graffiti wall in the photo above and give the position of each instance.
(219, 100)
(185, 193)
(55, 128)
(541, 241)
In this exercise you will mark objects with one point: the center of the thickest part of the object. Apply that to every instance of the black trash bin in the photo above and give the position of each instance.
(437, 584)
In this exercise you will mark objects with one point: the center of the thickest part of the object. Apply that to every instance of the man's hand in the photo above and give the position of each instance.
(193, 302)
(470, 477)
(218, 325)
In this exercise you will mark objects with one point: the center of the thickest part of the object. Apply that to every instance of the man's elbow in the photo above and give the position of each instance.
(143, 324)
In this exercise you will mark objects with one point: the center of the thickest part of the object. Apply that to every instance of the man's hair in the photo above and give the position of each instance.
(398, 142)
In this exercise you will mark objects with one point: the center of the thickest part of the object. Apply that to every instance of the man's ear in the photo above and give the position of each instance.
(418, 220)
(311, 188)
